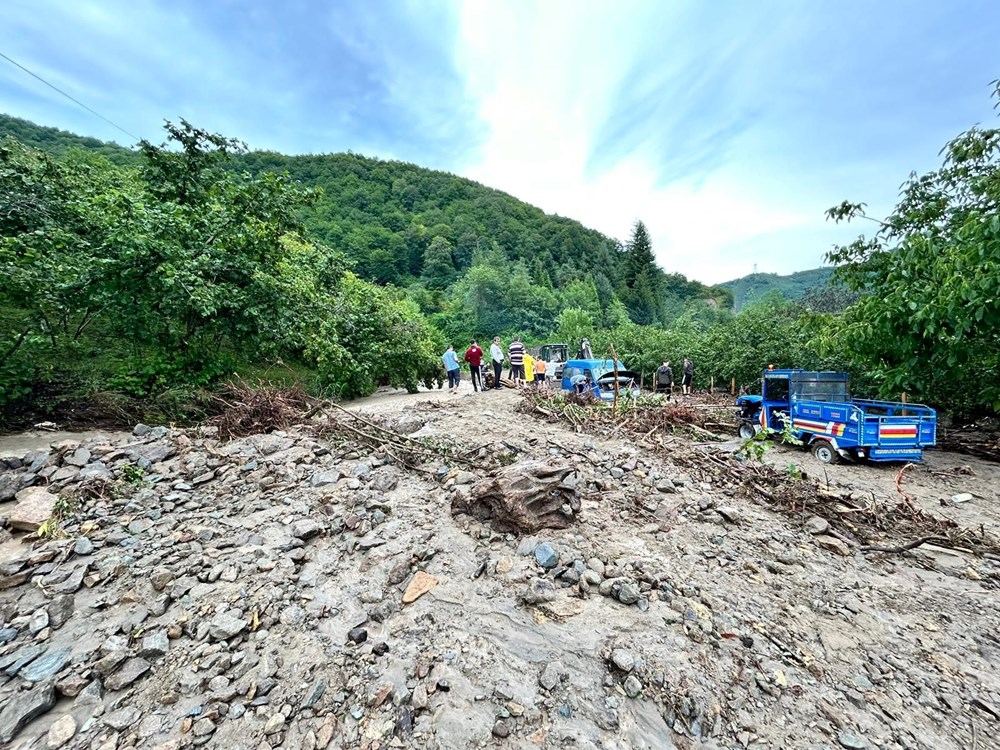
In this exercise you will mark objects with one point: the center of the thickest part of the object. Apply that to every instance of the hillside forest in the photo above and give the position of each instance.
(134, 281)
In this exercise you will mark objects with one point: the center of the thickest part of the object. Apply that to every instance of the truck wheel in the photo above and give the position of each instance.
(825, 453)
(747, 431)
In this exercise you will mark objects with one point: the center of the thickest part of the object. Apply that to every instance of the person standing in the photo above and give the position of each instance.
(496, 356)
(540, 370)
(516, 354)
(665, 379)
(529, 368)
(688, 378)
(474, 356)
(450, 360)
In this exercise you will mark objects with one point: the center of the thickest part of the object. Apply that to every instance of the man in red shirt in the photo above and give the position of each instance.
(474, 356)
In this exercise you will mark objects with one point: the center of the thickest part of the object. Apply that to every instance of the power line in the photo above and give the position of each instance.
(75, 101)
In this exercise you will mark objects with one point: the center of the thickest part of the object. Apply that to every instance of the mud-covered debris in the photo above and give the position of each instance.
(524, 497)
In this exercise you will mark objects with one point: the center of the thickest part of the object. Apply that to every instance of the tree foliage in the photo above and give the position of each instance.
(929, 322)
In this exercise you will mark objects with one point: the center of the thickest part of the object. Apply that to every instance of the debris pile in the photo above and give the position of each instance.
(255, 408)
(524, 498)
(315, 587)
(888, 525)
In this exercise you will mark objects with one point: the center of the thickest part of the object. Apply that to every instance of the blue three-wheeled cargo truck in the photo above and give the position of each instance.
(818, 409)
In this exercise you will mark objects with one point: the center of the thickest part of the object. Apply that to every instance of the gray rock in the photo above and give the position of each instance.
(275, 724)
(22, 707)
(130, 671)
(225, 626)
(539, 590)
(73, 581)
(160, 578)
(34, 507)
(292, 616)
(96, 470)
(61, 732)
(833, 544)
(321, 478)
(9, 485)
(315, 693)
(46, 666)
(60, 610)
(7, 635)
(850, 740)
(729, 513)
(14, 662)
(203, 727)
(552, 675)
(110, 661)
(141, 430)
(123, 718)
(79, 458)
(83, 546)
(629, 593)
(622, 659)
(307, 528)
(501, 729)
(140, 526)
(546, 556)
(154, 645)
(39, 621)
(816, 525)
(158, 433)
(633, 688)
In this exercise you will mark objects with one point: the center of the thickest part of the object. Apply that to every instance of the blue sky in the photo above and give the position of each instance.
(728, 127)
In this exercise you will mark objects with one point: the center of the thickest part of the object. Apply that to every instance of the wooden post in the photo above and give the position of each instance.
(904, 397)
(711, 384)
(732, 388)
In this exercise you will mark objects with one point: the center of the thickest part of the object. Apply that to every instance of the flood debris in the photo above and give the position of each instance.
(524, 497)
(888, 525)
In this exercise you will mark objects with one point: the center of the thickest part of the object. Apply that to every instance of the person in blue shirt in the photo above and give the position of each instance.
(450, 360)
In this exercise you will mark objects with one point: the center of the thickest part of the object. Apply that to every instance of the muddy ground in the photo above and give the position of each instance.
(253, 594)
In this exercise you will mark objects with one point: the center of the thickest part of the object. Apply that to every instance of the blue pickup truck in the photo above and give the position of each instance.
(597, 376)
(821, 413)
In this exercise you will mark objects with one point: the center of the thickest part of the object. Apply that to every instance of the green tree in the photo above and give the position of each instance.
(929, 318)
(439, 266)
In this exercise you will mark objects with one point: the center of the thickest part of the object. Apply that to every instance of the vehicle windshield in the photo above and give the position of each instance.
(822, 389)
(601, 371)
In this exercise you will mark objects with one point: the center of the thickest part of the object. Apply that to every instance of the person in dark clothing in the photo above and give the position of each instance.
(516, 354)
(688, 378)
(474, 356)
(665, 379)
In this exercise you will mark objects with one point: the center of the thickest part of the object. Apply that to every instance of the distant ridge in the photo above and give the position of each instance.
(747, 289)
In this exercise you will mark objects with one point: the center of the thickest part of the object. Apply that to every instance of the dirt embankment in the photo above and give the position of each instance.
(296, 590)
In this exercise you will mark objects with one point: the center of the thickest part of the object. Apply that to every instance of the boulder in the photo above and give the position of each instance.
(34, 506)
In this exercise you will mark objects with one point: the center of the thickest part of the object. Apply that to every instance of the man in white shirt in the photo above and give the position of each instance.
(496, 356)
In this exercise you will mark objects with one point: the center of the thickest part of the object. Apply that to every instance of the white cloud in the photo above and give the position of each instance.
(545, 99)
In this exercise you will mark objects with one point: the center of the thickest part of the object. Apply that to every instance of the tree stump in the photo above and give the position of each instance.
(524, 497)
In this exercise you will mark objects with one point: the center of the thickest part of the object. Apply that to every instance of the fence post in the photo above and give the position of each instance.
(732, 387)
(711, 384)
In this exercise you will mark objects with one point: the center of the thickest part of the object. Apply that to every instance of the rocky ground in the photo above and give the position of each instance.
(286, 590)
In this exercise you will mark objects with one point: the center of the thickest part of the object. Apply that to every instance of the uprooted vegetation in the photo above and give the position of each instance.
(870, 525)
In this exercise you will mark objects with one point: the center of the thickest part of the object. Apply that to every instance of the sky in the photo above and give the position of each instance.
(727, 127)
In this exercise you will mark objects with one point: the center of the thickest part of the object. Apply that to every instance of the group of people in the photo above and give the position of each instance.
(523, 367)
(665, 378)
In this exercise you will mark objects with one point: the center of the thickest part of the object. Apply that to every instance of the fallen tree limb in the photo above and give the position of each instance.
(897, 550)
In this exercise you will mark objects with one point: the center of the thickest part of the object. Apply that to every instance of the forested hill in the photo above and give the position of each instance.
(794, 286)
(402, 224)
